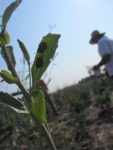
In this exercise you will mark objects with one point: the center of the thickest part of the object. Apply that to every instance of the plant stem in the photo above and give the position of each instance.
(48, 136)
(11, 66)
(44, 129)
(29, 77)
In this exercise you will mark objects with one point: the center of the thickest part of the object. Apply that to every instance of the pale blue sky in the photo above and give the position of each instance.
(74, 20)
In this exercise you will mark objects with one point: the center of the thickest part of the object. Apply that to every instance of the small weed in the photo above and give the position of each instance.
(103, 101)
(65, 141)
(77, 105)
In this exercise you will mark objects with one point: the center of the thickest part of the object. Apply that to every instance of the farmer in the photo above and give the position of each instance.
(105, 49)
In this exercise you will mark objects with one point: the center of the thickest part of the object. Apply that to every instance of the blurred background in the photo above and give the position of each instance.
(74, 20)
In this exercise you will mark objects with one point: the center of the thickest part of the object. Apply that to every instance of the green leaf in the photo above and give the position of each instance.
(13, 103)
(24, 50)
(9, 50)
(8, 12)
(8, 77)
(11, 55)
(38, 108)
(4, 37)
(44, 58)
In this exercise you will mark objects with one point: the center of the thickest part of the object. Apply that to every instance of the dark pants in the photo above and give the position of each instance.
(110, 77)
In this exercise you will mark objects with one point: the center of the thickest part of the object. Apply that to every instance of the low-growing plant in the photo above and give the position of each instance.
(77, 105)
(84, 93)
(82, 122)
(64, 141)
(103, 101)
(79, 114)
(34, 101)
(79, 100)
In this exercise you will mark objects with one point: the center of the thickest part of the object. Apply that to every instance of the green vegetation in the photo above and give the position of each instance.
(103, 101)
(78, 125)
(33, 104)
(85, 110)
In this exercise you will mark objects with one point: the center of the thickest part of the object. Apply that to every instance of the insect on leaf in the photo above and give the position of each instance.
(13, 103)
(8, 77)
(38, 108)
(44, 55)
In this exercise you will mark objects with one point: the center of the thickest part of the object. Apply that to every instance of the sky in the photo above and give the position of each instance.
(74, 20)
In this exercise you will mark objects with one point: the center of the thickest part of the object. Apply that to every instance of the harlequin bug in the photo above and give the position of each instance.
(42, 47)
(39, 62)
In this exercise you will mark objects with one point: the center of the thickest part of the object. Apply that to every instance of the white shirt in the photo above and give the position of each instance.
(105, 46)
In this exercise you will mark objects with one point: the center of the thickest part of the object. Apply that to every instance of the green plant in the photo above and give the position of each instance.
(82, 122)
(103, 101)
(34, 101)
(77, 105)
(64, 141)
(84, 93)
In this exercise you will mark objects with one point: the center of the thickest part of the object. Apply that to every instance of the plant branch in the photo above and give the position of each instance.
(48, 136)
(10, 65)
(45, 130)
(29, 77)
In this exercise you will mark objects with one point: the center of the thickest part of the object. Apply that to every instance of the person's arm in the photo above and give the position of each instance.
(103, 61)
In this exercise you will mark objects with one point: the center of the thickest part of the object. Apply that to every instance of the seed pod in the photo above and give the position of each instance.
(39, 62)
(42, 47)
